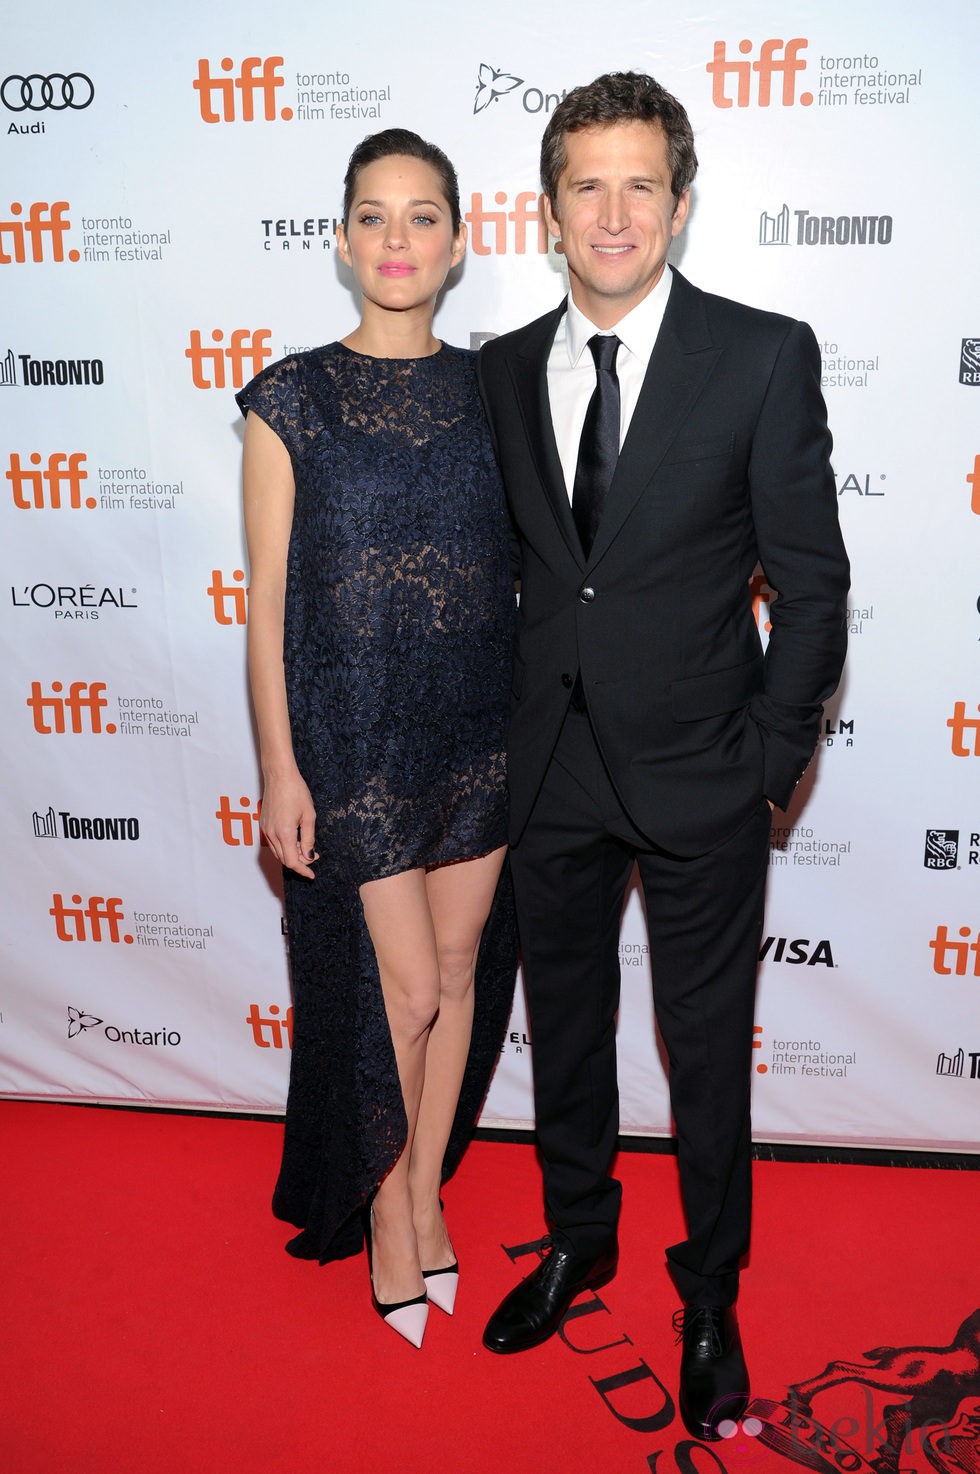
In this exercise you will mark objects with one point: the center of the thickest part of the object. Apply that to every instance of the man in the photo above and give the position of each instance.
(656, 443)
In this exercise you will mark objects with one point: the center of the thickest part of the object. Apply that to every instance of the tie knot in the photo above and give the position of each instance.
(604, 347)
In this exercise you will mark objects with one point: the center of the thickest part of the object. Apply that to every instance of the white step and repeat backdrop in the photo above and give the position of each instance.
(171, 181)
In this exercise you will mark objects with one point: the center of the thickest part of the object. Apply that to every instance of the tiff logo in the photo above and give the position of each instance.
(247, 345)
(58, 485)
(960, 725)
(490, 234)
(973, 479)
(97, 921)
(257, 75)
(952, 957)
(46, 226)
(765, 66)
(952, 1064)
(280, 1030)
(80, 711)
(222, 594)
(239, 826)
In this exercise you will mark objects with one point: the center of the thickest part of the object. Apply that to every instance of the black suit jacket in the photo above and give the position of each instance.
(726, 465)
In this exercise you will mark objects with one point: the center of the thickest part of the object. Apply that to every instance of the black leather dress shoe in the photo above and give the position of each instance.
(534, 1310)
(714, 1379)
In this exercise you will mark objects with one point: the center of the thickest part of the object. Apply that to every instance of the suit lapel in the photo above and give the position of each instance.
(528, 368)
(679, 367)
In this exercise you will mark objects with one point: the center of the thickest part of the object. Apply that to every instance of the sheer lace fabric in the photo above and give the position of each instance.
(397, 651)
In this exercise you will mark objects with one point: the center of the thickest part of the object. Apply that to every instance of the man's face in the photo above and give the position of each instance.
(616, 216)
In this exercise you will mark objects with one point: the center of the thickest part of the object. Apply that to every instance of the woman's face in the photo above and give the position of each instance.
(399, 239)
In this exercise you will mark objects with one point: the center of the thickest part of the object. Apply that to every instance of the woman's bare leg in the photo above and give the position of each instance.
(459, 896)
(425, 929)
(396, 911)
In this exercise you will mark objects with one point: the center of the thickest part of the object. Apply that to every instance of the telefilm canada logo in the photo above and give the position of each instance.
(49, 373)
(298, 234)
(970, 361)
(786, 227)
(34, 93)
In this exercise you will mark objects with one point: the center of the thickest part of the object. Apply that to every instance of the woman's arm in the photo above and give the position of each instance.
(287, 808)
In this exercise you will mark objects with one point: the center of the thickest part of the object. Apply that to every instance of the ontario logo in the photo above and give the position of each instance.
(493, 83)
(82, 1023)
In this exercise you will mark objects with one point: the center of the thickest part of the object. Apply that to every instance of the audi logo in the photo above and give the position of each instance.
(35, 93)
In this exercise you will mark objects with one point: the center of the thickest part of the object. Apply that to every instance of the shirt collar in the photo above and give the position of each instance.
(637, 331)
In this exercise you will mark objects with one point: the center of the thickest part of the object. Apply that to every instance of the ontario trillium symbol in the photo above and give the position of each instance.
(78, 1022)
(492, 84)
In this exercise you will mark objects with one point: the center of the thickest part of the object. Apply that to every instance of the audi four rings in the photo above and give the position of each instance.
(36, 94)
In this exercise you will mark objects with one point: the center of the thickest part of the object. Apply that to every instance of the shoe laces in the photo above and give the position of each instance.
(705, 1323)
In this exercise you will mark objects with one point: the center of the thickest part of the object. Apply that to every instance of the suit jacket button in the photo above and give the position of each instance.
(587, 594)
(567, 681)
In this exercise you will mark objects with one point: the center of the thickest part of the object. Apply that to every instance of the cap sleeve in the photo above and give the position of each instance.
(274, 395)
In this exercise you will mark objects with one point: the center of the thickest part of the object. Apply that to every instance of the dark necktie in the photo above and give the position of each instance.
(598, 449)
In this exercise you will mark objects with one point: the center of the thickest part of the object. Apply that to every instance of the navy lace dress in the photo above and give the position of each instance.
(397, 651)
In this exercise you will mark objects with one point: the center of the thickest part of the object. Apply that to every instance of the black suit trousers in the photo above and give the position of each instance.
(704, 914)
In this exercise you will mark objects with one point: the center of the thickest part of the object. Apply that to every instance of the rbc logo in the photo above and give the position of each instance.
(247, 345)
(222, 594)
(765, 67)
(80, 711)
(58, 485)
(256, 76)
(46, 225)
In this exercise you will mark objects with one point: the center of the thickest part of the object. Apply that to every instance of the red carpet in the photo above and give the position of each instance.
(154, 1325)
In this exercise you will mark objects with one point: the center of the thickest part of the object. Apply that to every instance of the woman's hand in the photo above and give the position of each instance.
(287, 819)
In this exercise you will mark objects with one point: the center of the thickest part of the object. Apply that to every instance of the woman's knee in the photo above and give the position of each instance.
(412, 1002)
(456, 972)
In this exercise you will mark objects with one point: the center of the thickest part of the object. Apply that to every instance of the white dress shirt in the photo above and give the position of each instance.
(571, 368)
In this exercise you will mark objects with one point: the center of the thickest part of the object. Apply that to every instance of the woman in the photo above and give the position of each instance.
(379, 640)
